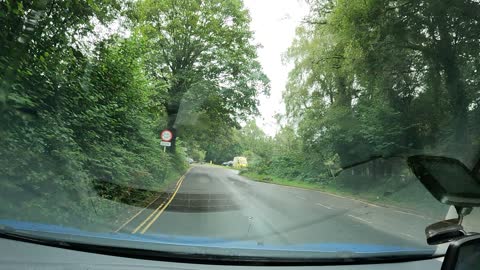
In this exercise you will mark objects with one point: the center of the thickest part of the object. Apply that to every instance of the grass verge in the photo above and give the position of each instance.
(412, 198)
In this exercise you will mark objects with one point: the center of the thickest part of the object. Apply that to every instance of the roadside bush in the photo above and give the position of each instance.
(83, 135)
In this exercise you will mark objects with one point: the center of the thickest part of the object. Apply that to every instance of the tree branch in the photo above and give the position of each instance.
(321, 22)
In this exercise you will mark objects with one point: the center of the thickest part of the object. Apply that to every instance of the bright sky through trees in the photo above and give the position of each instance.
(274, 24)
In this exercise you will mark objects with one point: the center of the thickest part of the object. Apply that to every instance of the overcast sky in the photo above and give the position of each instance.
(274, 23)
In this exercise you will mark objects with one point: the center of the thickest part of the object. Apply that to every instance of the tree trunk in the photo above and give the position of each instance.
(171, 127)
(172, 112)
(176, 93)
(458, 101)
(449, 62)
(374, 170)
(343, 96)
(455, 87)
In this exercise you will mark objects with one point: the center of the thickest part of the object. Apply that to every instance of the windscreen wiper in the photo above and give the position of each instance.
(371, 158)
(355, 164)
(476, 168)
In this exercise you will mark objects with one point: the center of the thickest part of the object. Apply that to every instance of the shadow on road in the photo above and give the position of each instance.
(202, 202)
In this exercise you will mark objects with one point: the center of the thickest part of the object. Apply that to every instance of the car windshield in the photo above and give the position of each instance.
(244, 128)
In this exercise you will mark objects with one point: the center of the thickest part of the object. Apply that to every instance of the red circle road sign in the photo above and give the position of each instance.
(166, 135)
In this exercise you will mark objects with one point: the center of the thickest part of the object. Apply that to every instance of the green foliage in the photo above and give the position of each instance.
(382, 78)
(90, 128)
(377, 78)
(203, 51)
(81, 110)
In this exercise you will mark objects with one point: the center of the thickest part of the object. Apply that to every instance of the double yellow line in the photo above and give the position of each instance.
(159, 210)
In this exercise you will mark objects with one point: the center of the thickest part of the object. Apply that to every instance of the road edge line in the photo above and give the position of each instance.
(164, 207)
(138, 213)
(160, 206)
(404, 210)
(143, 209)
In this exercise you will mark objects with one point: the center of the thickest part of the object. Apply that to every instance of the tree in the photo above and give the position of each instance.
(383, 78)
(435, 38)
(204, 52)
(77, 123)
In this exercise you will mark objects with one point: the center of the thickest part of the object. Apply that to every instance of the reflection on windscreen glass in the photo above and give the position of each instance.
(446, 174)
(223, 123)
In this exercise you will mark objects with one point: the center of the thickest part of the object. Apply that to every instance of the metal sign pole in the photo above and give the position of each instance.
(164, 149)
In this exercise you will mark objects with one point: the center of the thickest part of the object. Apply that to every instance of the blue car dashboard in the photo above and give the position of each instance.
(21, 255)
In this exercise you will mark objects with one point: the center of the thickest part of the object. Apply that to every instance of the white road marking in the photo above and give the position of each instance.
(372, 205)
(322, 205)
(408, 235)
(342, 197)
(411, 214)
(300, 197)
(361, 219)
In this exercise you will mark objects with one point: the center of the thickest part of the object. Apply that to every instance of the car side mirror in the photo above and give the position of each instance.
(463, 254)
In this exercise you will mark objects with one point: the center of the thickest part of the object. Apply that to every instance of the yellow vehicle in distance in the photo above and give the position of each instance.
(240, 162)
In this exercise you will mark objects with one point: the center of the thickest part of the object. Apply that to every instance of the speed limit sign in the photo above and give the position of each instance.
(166, 135)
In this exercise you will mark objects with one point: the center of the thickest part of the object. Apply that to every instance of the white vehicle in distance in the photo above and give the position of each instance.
(240, 162)
(228, 163)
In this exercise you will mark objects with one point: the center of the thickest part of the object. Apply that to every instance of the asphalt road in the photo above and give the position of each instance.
(217, 203)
